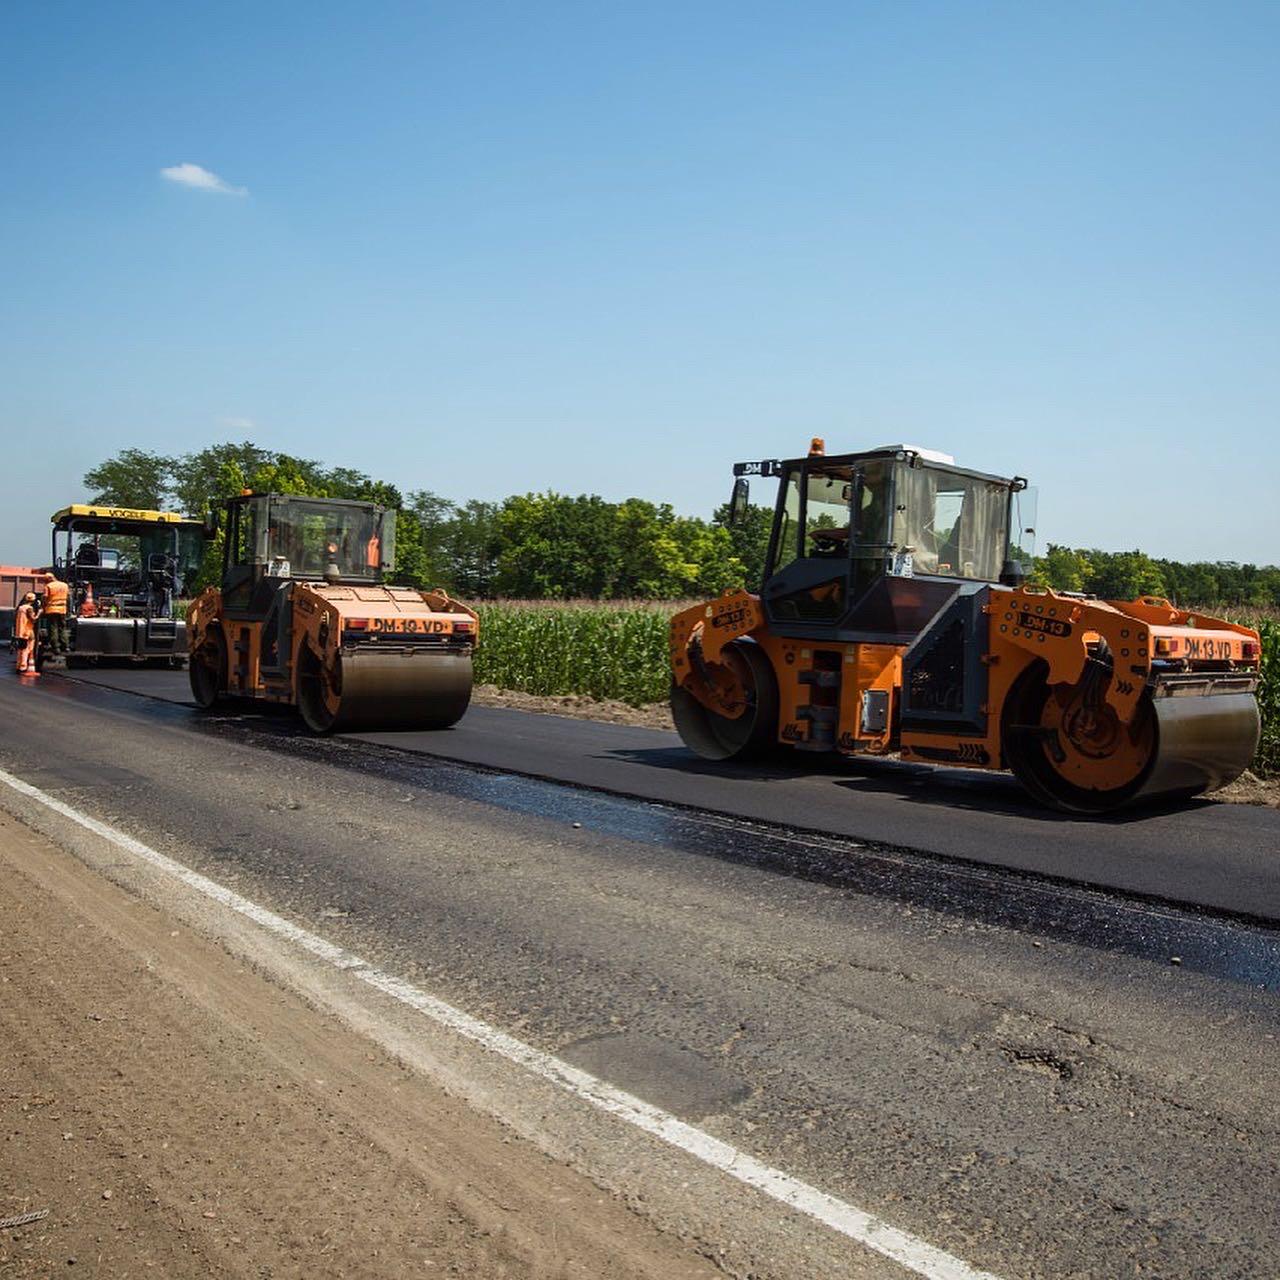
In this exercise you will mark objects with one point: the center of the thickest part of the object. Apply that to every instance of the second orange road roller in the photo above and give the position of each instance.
(304, 616)
(894, 617)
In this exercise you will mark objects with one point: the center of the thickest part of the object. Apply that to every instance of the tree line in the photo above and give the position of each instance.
(556, 546)
(534, 546)
(1125, 575)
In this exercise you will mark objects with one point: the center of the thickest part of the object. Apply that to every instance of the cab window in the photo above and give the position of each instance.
(789, 544)
(955, 525)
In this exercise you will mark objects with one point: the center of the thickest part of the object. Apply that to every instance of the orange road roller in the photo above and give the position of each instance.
(304, 617)
(894, 617)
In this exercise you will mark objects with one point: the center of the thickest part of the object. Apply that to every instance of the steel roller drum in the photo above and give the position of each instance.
(402, 689)
(1203, 741)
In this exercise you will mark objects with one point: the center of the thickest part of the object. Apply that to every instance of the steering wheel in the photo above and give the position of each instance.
(832, 535)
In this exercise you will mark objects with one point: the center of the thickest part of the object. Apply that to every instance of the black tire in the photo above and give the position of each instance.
(313, 708)
(749, 736)
(207, 670)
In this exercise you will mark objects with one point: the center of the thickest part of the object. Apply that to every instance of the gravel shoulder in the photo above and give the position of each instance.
(180, 1116)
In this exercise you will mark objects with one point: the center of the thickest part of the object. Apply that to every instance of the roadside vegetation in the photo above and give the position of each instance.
(1268, 758)
(574, 592)
(616, 651)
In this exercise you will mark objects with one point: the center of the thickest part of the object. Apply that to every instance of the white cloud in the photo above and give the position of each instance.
(192, 175)
(237, 424)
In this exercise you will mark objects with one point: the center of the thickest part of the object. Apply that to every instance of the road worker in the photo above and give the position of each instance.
(24, 634)
(55, 614)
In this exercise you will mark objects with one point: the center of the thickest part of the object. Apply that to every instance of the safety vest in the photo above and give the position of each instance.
(24, 622)
(55, 596)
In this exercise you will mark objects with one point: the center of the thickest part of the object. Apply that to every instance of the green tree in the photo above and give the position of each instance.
(132, 478)
(557, 547)
(1125, 575)
(1192, 585)
(427, 529)
(1064, 569)
(199, 479)
(710, 550)
(229, 480)
(749, 541)
(286, 474)
(651, 558)
(472, 550)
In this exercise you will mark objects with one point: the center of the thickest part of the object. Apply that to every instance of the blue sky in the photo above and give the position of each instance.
(484, 248)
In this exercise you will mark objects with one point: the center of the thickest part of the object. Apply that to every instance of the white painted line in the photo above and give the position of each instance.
(910, 1251)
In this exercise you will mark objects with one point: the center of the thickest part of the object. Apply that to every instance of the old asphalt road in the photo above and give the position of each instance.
(853, 1060)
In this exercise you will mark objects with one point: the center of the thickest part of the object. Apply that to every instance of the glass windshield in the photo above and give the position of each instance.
(954, 525)
(827, 509)
(789, 542)
(310, 538)
(151, 548)
(830, 491)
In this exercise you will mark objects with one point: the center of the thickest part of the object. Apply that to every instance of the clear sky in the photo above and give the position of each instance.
(486, 247)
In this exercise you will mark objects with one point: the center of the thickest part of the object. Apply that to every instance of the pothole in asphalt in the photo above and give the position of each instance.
(1039, 1060)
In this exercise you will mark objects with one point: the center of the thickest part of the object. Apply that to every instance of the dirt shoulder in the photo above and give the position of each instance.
(655, 715)
(1248, 788)
(180, 1116)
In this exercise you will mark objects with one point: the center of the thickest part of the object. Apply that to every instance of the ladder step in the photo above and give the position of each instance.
(823, 679)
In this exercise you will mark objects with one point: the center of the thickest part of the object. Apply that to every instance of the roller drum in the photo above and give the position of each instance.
(1203, 741)
(1189, 733)
(402, 689)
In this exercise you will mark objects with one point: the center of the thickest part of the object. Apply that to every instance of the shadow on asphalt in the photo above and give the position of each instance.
(931, 786)
(996, 793)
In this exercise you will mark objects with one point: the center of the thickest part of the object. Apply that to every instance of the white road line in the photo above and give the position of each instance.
(909, 1251)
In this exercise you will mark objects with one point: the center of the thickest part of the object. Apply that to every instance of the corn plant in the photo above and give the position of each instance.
(603, 651)
(1268, 757)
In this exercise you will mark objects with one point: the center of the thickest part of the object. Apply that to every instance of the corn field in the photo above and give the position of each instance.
(602, 650)
(619, 651)
(1268, 758)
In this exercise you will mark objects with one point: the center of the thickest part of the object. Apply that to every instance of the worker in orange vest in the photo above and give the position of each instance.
(55, 614)
(24, 635)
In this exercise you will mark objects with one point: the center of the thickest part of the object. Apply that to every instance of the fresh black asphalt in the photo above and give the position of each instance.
(1222, 857)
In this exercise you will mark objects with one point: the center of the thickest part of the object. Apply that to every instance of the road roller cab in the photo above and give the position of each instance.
(304, 616)
(894, 618)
